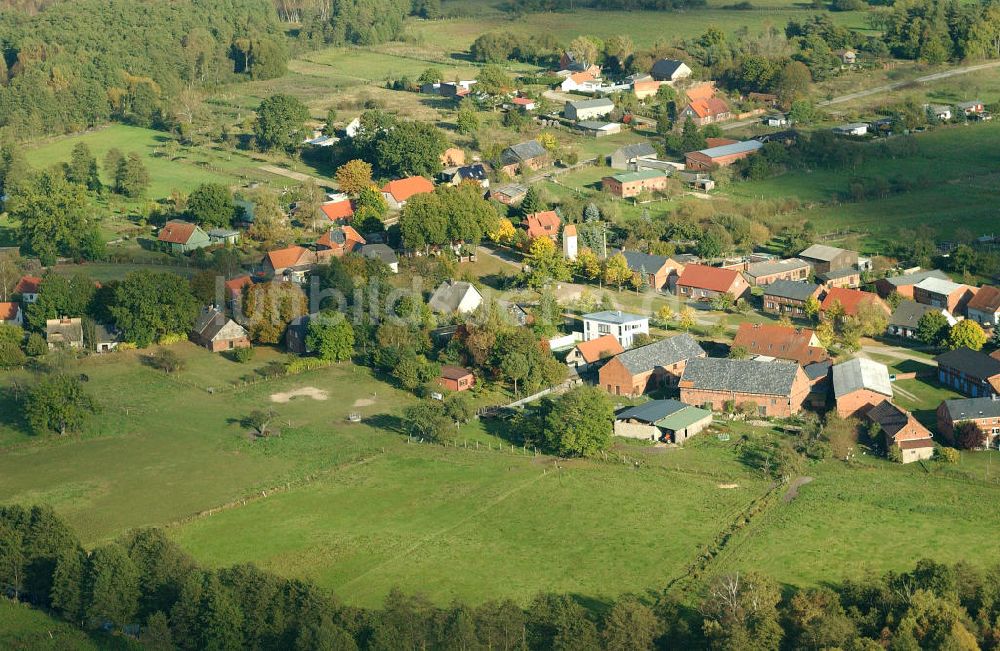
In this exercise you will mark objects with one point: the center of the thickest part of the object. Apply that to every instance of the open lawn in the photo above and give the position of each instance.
(27, 629)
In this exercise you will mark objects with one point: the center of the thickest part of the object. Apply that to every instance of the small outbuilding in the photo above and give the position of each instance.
(662, 420)
(456, 378)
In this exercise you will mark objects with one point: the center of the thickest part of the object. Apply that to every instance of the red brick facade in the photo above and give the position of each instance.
(771, 406)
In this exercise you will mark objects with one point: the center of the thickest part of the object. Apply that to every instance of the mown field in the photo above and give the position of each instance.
(26, 629)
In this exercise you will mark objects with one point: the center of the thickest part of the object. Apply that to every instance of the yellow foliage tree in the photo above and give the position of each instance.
(504, 233)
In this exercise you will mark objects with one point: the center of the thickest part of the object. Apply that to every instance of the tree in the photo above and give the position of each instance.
(53, 215)
(691, 138)
(428, 420)
(408, 149)
(723, 302)
(932, 328)
(546, 263)
(82, 168)
(969, 436)
(812, 307)
(616, 271)
(739, 352)
(872, 318)
(494, 83)
(460, 407)
(630, 625)
(793, 82)
(68, 583)
(131, 177)
(740, 613)
(279, 123)
(330, 336)
(816, 620)
(532, 202)
(371, 198)
(167, 361)
(467, 118)
(579, 422)
(583, 49)
(504, 233)
(57, 403)
(12, 559)
(588, 265)
(148, 305)
(354, 176)
(112, 587)
(967, 334)
(515, 366)
(270, 307)
(259, 420)
(155, 634)
(687, 319)
(212, 205)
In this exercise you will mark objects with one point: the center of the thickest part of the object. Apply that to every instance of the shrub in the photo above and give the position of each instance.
(36, 345)
(166, 360)
(946, 455)
(171, 338)
(242, 355)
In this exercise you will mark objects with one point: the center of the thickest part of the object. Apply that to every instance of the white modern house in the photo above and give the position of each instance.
(622, 325)
(569, 242)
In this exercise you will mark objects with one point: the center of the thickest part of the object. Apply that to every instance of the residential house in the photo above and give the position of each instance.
(851, 129)
(106, 338)
(338, 211)
(984, 412)
(984, 308)
(906, 318)
(224, 236)
(570, 63)
(622, 325)
(296, 333)
(290, 263)
(456, 378)
(760, 274)
(216, 332)
(705, 111)
(649, 367)
(789, 297)
(945, 294)
(510, 194)
(670, 70)
(524, 156)
(28, 288)
(632, 184)
(792, 344)
(453, 297)
(588, 109)
(598, 129)
(721, 156)
(337, 242)
(902, 431)
(453, 157)
(972, 107)
(234, 289)
(382, 252)
(847, 57)
(903, 283)
(570, 242)
(543, 224)
(645, 88)
(778, 389)
(525, 104)
(969, 372)
(825, 258)
(850, 300)
(941, 112)
(849, 278)
(859, 385)
(475, 173)
(182, 237)
(701, 282)
(661, 420)
(587, 354)
(579, 81)
(10, 313)
(398, 192)
(626, 157)
(64, 332)
(659, 270)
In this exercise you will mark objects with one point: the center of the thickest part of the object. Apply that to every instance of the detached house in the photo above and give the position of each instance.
(850, 300)
(906, 317)
(789, 297)
(705, 111)
(778, 389)
(10, 313)
(398, 192)
(984, 412)
(649, 367)
(182, 237)
(28, 288)
(969, 372)
(525, 156)
(455, 297)
(579, 81)
(290, 263)
(659, 270)
(621, 325)
(984, 308)
(234, 289)
(859, 385)
(662, 420)
(383, 253)
(587, 354)
(64, 333)
(543, 224)
(902, 431)
(339, 241)
(626, 158)
(798, 345)
(216, 332)
(945, 294)
(701, 282)
(338, 211)
(456, 378)
(632, 184)
(670, 70)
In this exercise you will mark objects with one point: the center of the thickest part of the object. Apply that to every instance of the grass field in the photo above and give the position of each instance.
(27, 629)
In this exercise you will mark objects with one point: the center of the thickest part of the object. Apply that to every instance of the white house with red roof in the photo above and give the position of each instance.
(28, 287)
(10, 313)
(398, 192)
(543, 224)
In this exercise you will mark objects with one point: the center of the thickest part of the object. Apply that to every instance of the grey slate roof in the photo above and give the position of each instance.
(821, 252)
(889, 417)
(379, 252)
(907, 314)
(969, 408)
(943, 286)
(861, 373)
(666, 67)
(637, 150)
(839, 273)
(817, 370)
(974, 364)
(791, 289)
(210, 323)
(769, 267)
(661, 353)
(915, 277)
(521, 152)
(740, 376)
(448, 296)
(652, 411)
(476, 172)
(614, 316)
(511, 190)
(592, 103)
(105, 334)
(644, 261)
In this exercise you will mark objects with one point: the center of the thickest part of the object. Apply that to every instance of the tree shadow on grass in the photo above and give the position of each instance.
(387, 422)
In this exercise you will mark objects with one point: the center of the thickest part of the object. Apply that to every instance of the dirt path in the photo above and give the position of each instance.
(793, 488)
(897, 353)
(296, 176)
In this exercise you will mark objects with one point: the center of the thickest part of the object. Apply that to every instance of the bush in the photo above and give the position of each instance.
(303, 364)
(166, 360)
(242, 355)
(171, 338)
(946, 455)
(36, 345)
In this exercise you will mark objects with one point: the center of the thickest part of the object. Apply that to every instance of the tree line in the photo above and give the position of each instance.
(144, 586)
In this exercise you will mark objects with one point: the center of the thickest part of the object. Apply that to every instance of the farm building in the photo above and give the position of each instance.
(649, 367)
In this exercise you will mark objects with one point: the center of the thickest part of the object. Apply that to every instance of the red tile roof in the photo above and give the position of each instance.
(701, 91)
(596, 349)
(783, 342)
(523, 101)
(234, 287)
(987, 299)
(545, 223)
(850, 299)
(337, 210)
(719, 142)
(176, 232)
(454, 372)
(287, 257)
(8, 311)
(710, 106)
(352, 239)
(581, 77)
(403, 189)
(28, 285)
(714, 279)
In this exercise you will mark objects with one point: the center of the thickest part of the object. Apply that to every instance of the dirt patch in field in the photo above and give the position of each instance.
(727, 485)
(305, 392)
(793, 488)
(363, 402)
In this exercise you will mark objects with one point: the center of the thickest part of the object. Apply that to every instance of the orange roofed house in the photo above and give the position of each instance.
(398, 192)
(234, 290)
(182, 237)
(338, 211)
(543, 224)
(11, 313)
(338, 241)
(704, 111)
(28, 288)
(701, 282)
(850, 300)
(781, 342)
(586, 354)
(290, 263)
(456, 378)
